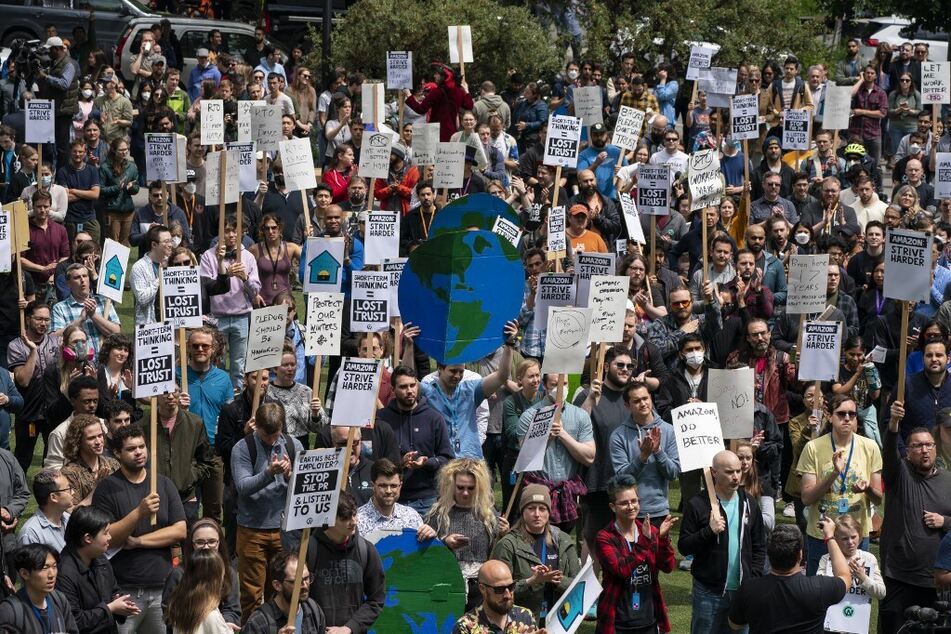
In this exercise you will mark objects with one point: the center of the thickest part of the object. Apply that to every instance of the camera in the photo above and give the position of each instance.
(925, 619)
(31, 57)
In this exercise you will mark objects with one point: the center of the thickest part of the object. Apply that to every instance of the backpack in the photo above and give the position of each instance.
(253, 448)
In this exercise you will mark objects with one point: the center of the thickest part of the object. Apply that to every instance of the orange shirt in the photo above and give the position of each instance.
(589, 241)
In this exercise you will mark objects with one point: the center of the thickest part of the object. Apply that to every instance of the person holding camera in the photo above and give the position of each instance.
(60, 82)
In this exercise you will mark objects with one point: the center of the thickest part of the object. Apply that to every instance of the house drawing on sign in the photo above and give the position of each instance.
(114, 273)
(324, 268)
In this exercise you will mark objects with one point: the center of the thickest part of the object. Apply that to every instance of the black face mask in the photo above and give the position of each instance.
(279, 180)
(657, 137)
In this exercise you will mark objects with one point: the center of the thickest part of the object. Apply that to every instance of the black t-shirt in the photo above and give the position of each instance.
(795, 604)
(635, 607)
(140, 567)
(9, 294)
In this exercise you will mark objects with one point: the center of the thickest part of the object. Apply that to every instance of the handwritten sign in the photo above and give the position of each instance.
(357, 386)
(907, 265)
(161, 157)
(266, 338)
(587, 103)
(266, 127)
(298, 160)
(245, 108)
(627, 129)
(607, 298)
(838, 107)
(808, 284)
(744, 117)
(704, 179)
(212, 122)
(370, 301)
(700, 59)
(632, 220)
(399, 70)
(314, 489)
(935, 82)
(324, 319)
(698, 434)
(181, 296)
(383, 236)
(942, 181)
(588, 265)
(232, 177)
(40, 127)
(563, 141)
(566, 340)
(450, 163)
(557, 239)
(154, 359)
(425, 142)
(531, 455)
(718, 81)
(554, 289)
(732, 391)
(819, 358)
(653, 190)
(796, 129)
(460, 44)
(375, 155)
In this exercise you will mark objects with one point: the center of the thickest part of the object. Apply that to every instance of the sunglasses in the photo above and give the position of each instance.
(846, 414)
(499, 590)
(680, 304)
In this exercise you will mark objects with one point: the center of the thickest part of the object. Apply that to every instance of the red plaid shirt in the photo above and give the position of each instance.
(874, 99)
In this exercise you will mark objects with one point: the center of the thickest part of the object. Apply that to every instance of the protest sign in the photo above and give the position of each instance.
(357, 385)
(181, 296)
(607, 298)
(373, 106)
(508, 230)
(266, 127)
(399, 70)
(588, 265)
(854, 612)
(699, 438)
(370, 302)
(323, 327)
(718, 81)
(838, 107)
(744, 117)
(531, 455)
(935, 82)
(627, 128)
(450, 162)
(587, 102)
(819, 358)
(808, 284)
(566, 340)
(796, 129)
(732, 391)
(704, 179)
(314, 489)
(653, 190)
(568, 612)
(245, 108)
(557, 238)
(154, 359)
(39, 123)
(113, 269)
(562, 142)
(394, 267)
(382, 236)
(6, 241)
(21, 225)
(247, 165)
(942, 180)
(375, 155)
(554, 289)
(460, 37)
(425, 142)
(323, 270)
(700, 58)
(266, 337)
(212, 122)
(161, 157)
(907, 265)
(632, 219)
(298, 160)
(232, 177)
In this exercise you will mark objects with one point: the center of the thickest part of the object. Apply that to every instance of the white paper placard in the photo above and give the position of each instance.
(232, 177)
(796, 129)
(907, 265)
(807, 289)
(370, 302)
(382, 237)
(244, 118)
(508, 230)
(39, 123)
(375, 155)
(154, 359)
(313, 491)
(588, 265)
(819, 358)
(298, 160)
(324, 320)
(372, 105)
(563, 141)
(627, 129)
(607, 298)
(454, 41)
(358, 384)
(557, 238)
(531, 455)
(394, 267)
(425, 142)
(161, 157)
(399, 70)
(935, 82)
(632, 219)
(566, 340)
(247, 165)
(587, 103)
(700, 58)
(718, 81)
(6, 241)
(554, 289)
(744, 117)
(732, 391)
(266, 127)
(838, 107)
(854, 612)
(212, 122)
(704, 179)
(181, 296)
(942, 181)
(450, 162)
(699, 438)
(113, 269)
(653, 190)
(569, 610)
(266, 338)
(323, 271)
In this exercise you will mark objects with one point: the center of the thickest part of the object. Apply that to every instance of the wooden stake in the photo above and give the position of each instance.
(39, 166)
(182, 359)
(346, 458)
(315, 388)
(397, 341)
(303, 200)
(256, 394)
(298, 577)
(902, 352)
(401, 100)
(711, 492)
(462, 63)
(554, 195)
(222, 166)
(703, 232)
(653, 260)
(153, 456)
(372, 195)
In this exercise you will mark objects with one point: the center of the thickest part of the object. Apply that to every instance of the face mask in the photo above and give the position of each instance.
(77, 351)
(357, 198)
(87, 93)
(279, 180)
(146, 95)
(190, 189)
(46, 181)
(176, 240)
(694, 359)
(802, 238)
(572, 75)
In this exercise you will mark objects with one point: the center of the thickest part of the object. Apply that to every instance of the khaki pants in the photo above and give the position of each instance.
(256, 547)
(119, 226)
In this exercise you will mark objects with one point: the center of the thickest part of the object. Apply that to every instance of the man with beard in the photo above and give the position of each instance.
(356, 201)
(772, 163)
(833, 216)
(272, 615)
(869, 107)
(543, 192)
(868, 206)
(802, 200)
(601, 158)
(285, 204)
(838, 298)
(773, 371)
(926, 392)
(602, 211)
(720, 270)
(826, 162)
(666, 332)
(771, 204)
(414, 227)
(774, 275)
(498, 612)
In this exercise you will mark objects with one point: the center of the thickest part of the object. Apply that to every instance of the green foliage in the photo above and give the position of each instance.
(929, 14)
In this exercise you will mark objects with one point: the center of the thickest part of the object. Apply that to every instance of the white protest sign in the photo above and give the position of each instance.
(370, 301)
(244, 118)
(382, 237)
(375, 155)
(39, 123)
(942, 180)
(181, 296)
(732, 391)
(266, 127)
(531, 455)
(181, 143)
(557, 238)
(399, 70)
(837, 108)
(314, 489)
(554, 289)
(154, 359)
(212, 122)
(587, 103)
(907, 265)
(819, 357)
(632, 219)
(113, 269)
(718, 81)
(568, 612)
(808, 284)
(653, 190)
(796, 129)
(372, 104)
(161, 157)
(566, 340)
(607, 298)
(627, 129)
(508, 230)
(744, 117)
(699, 438)
(247, 166)
(588, 265)
(323, 268)
(266, 338)
(854, 612)
(232, 177)
(704, 179)
(935, 82)
(394, 268)
(425, 142)
(460, 37)
(298, 160)
(450, 162)
(6, 241)
(324, 319)
(358, 383)
(700, 58)
(563, 141)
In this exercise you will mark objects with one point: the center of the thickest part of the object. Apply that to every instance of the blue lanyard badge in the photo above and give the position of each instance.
(843, 477)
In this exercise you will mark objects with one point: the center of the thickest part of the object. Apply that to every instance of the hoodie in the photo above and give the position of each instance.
(652, 476)
(443, 103)
(493, 103)
(422, 430)
(347, 581)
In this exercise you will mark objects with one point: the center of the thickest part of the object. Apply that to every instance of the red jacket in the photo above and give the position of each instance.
(770, 385)
(398, 199)
(443, 104)
(338, 182)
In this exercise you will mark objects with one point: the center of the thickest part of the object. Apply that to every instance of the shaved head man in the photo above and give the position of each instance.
(498, 602)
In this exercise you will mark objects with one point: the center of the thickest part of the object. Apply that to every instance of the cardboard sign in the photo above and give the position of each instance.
(298, 160)
(266, 127)
(324, 319)
(394, 267)
(531, 455)
(6, 241)
(808, 284)
(375, 155)
(323, 271)
(450, 162)
(39, 123)
(212, 122)
(566, 340)
(245, 107)
(907, 265)
(358, 383)
(653, 190)
(266, 338)
(568, 612)
(508, 230)
(700, 58)
(463, 34)
(587, 103)
(314, 489)
(935, 82)
(557, 238)
(154, 359)
(382, 237)
(632, 219)
(732, 391)
(942, 179)
(704, 179)
(563, 141)
(161, 157)
(113, 269)
(425, 142)
(819, 358)
(232, 177)
(21, 225)
(607, 298)
(247, 165)
(796, 129)
(854, 612)
(744, 117)
(838, 107)
(627, 129)
(399, 70)
(372, 105)
(554, 289)
(370, 302)
(718, 81)
(588, 265)
(181, 296)
(699, 438)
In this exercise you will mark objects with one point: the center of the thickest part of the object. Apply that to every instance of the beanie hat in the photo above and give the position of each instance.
(534, 494)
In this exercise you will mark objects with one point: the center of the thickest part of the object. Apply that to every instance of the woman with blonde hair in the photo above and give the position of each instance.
(528, 377)
(866, 573)
(193, 605)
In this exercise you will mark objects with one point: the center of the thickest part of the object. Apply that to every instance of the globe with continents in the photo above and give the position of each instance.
(460, 288)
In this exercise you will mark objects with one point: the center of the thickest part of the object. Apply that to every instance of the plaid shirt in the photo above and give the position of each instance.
(533, 339)
(69, 310)
(647, 101)
(874, 99)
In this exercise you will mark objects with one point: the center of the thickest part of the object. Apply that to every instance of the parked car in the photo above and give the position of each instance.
(288, 19)
(895, 31)
(27, 19)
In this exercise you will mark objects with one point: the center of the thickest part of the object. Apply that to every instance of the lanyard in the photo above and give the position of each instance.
(842, 476)
(45, 624)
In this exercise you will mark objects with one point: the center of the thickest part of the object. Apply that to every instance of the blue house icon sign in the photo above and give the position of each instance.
(324, 269)
(114, 273)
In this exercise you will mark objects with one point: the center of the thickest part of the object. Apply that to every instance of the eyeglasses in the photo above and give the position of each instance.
(671, 138)
(905, 81)
(270, 228)
(201, 346)
(69, 488)
(681, 304)
(624, 366)
(205, 543)
(847, 414)
(306, 76)
(184, 263)
(499, 590)
(922, 446)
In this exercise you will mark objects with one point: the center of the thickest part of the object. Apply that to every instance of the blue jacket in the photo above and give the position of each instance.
(533, 114)
(209, 392)
(652, 476)
(13, 406)
(774, 278)
(605, 171)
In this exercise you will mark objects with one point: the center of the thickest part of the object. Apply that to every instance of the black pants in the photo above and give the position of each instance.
(62, 127)
(26, 434)
(898, 597)
(493, 451)
(508, 482)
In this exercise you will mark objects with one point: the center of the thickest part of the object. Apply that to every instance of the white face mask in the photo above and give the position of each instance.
(572, 75)
(802, 238)
(87, 93)
(146, 95)
(176, 240)
(190, 188)
(694, 359)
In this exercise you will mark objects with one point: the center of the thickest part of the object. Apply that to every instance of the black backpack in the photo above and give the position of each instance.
(253, 448)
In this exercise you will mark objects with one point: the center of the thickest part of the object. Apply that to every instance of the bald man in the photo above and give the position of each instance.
(728, 545)
(498, 611)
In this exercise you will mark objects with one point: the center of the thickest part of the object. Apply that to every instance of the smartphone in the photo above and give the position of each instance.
(463, 541)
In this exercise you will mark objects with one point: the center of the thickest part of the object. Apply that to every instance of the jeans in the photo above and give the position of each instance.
(816, 548)
(255, 547)
(710, 609)
(149, 619)
(422, 505)
(235, 330)
(869, 418)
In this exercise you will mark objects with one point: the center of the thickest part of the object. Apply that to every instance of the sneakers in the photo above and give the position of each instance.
(790, 510)
(685, 563)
